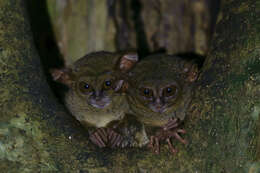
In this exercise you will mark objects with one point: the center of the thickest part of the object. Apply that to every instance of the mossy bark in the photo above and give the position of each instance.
(173, 26)
(37, 135)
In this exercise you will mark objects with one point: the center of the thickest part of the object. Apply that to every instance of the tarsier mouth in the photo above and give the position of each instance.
(157, 108)
(100, 103)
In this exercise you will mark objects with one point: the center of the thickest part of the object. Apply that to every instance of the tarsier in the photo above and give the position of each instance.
(94, 98)
(159, 94)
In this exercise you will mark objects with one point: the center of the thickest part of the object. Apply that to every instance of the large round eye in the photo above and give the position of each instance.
(108, 84)
(146, 92)
(169, 91)
(85, 87)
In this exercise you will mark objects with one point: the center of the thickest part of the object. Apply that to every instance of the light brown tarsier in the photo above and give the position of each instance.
(159, 94)
(95, 83)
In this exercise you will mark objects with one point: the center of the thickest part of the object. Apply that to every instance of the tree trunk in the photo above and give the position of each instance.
(70, 29)
(173, 26)
(37, 135)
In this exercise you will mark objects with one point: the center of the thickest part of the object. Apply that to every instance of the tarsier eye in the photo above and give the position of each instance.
(84, 87)
(146, 92)
(108, 84)
(170, 91)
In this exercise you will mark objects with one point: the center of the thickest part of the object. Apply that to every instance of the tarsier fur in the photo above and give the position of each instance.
(94, 96)
(159, 94)
(104, 87)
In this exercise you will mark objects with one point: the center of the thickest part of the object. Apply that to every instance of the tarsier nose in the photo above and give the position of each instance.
(158, 103)
(98, 95)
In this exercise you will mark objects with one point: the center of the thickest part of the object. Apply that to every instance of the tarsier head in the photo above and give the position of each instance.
(161, 86)
(159, 96)
(96, 78)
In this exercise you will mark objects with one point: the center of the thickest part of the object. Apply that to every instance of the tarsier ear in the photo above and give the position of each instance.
(192, 71)
(125, 64)
(127, 61)
(63, 76)
(121, 86)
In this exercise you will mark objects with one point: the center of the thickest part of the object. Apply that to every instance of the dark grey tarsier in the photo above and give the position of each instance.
(159, 94)
(95, 93)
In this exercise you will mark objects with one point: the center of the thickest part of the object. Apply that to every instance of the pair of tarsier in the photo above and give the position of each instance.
(104, 87)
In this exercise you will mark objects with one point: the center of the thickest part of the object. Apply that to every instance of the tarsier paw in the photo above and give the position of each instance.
(166, 135)
(154, 144)
(174, 133)
(114, 139)
(99, 137)
(172, 123)
(171, 148)
(178, 137)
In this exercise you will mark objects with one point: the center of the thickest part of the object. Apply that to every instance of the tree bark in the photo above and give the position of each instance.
(172, 26)
(76, 27)
(37, 135)
(70, 29)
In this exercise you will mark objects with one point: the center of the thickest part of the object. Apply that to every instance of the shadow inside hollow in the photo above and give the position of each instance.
(198, 59)
(43, 34)
(44, 39)
(142, 43)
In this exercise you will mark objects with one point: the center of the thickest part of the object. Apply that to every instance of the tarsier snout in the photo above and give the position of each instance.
(99, 100)
(158, 105)
(158, 102)
(97, 95)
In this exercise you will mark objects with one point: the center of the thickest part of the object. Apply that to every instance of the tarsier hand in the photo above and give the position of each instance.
(106, 137)
(168, 131)
(99, 137)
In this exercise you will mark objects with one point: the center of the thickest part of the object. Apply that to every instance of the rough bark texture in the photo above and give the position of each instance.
(37, 135)
(83, 26)
(174, 26)
(77, 27)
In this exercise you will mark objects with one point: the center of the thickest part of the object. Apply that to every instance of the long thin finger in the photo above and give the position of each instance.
(172, 121)
(157, 146)
(113, 143)
(103, 134)
(177, 136)
(116, 141)
(151, 142)
(119, 141)
(181, 131)
(113, 138)
(96, 141)
(171, 148)
(171, 124)
(99, 139)
(110, 134)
